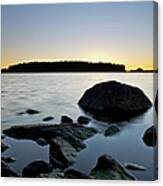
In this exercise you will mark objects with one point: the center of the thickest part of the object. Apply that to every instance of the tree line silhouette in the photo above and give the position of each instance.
(65, 66)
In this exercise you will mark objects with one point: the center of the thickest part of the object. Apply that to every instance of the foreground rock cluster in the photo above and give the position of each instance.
(112, 101)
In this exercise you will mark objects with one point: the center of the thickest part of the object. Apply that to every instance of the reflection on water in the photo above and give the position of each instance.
(58, 94)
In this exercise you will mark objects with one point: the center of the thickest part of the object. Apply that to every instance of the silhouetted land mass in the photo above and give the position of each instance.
(65, 66)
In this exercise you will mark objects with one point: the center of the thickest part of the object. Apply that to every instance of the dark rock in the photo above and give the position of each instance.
(74, 134)
(114, 101)
(56, 173)
(8, 159)
(150, 136)
(2, 136)
(156, 102)
(133, 166)
(109, 168)
(35, 168)
(74, 174)
(31, 111)
(6, 171)
(20, 113)
(61, 153)
(111, 130)
(66, 119)
(42, 141)
(83, 120)
(48, 118)
(4, 147)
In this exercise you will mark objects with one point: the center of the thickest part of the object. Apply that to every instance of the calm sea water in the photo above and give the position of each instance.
(56, 95)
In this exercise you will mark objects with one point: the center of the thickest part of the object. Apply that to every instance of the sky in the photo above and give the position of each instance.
(117, 32)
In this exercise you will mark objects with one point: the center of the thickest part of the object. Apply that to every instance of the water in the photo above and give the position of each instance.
(58, 94)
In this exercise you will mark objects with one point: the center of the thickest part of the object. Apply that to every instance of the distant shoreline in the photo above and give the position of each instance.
(71, 67)
(154, 71)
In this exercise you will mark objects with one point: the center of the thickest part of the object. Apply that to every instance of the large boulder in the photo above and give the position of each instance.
(36, 168)
(150, 136)
(114, 101)
(6, 171)
(74, 134)
(108, 168)
(61, 153)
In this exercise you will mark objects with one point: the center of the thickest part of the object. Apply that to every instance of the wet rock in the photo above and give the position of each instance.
(114, 101)
(74, 174)
(111, 130)
(6, 171)
(41, 141)
(66, 119)
(32, 111)
(74, 134)
(48, 118)
(2, 136)
(83, 120)
(134, 166)
(4, 147)
(111, 169)
(56, 173)
(36, 168)
(150, 136)
(8, 159)
(61, 153)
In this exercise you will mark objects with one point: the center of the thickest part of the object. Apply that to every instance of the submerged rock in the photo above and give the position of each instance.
(61, 153)
(4, 147)
(111, 130)
(36, 168)
(134, 166)
(74, 134)
(48, 118)
(66, 119)
(41, 141)
(83, 120)
(110, 169)
(150, 136)
(8, 159)
(74, 174)
(114, 101)
(6, 171)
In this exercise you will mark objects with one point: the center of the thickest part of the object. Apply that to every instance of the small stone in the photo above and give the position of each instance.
(41, 141)
(134, 166)
(66, 119)
(111, 130)
(4, 146)
(8, 159)
(83, 120)
(48, 118)
(31, 111)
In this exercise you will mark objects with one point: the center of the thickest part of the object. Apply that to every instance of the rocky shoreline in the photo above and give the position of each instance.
(66, 139)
